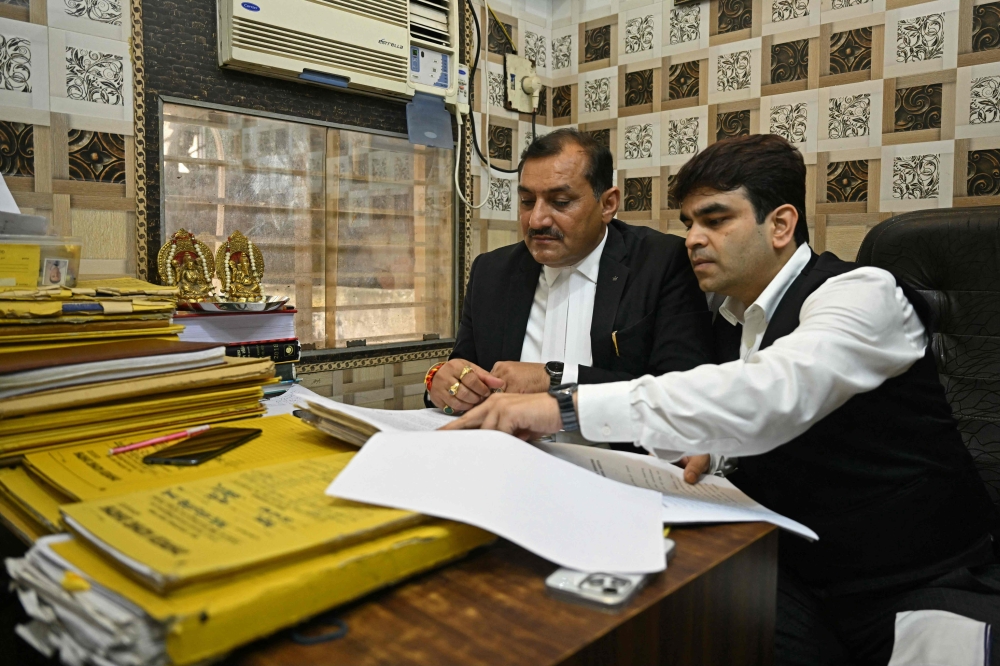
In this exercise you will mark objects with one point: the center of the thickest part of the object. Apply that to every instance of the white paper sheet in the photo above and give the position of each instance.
(499, 483)
(7, 203)
(387, 420)
(711, 500)
(286, 402)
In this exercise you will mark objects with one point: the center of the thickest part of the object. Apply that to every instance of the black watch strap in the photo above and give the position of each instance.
(567, 411)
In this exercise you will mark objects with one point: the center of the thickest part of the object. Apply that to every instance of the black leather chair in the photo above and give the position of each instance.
(953, 258)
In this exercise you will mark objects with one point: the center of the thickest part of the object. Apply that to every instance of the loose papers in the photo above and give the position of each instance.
(497, 482)
(711, 500)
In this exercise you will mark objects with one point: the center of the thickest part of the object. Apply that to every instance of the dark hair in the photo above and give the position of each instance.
(600, 165)
(769, 168)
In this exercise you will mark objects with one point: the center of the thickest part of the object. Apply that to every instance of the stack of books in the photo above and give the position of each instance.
(94, 310)
(180, 565)
(268, 334)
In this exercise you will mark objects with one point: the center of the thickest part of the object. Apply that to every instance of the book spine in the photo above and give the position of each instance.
(279, 352)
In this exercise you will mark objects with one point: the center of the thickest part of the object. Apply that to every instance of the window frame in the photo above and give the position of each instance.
(343, 358)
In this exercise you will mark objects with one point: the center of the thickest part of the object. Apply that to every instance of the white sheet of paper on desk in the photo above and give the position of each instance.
(286, 402)
(7, 203)
(711, 500)
(499, 483)
(388, 420)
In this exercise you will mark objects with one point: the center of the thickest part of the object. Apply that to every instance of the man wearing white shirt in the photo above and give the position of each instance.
(584, 298)
(828, 393)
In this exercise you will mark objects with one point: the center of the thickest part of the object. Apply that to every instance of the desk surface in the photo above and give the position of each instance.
(491, 608)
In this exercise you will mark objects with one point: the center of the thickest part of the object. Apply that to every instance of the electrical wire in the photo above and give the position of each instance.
(472, 123)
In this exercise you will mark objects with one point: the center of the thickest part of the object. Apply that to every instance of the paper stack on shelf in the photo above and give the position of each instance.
(55, 316)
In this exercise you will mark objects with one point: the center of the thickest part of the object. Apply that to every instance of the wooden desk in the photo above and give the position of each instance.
(715, 604)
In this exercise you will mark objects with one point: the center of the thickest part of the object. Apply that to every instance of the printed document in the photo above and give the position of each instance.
(497, 482)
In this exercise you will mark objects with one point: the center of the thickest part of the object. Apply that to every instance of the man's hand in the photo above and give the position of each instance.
(472, 389)
(694, 466)
(522, 377)
(524, 416)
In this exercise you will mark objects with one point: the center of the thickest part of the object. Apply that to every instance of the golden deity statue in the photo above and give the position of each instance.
(186, 263)
(241, 269)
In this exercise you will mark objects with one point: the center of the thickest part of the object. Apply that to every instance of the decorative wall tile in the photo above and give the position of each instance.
(562, 102)
(102, 11)
(847, 181)
(562, 52)
(638, 34)
(916, 177)
(735, 15)
(597, 44)
(920, 38)
(500, 142)
(850, 116)
(733, 71)
(683, 138)
(535, 49)
(602, 137)
(785, 10)
(639, 87)
(984, 173)
(17, 149)
(498, 93)
(683, 80)
(918, 108)
(790, 61)
(97, 156)
(597, 95)
(984, 100)
(685, 23)
(638, 141)
(843, 4)
(789, 121)
(543, 102)
(497, 42)
(638, 194)
(986, 26)
(92, 76)
(499, 199)
(671, 199)
(851, 51)
(733, 123)
(15, 63)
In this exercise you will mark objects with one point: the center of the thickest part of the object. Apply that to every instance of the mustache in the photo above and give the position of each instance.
(551, 232)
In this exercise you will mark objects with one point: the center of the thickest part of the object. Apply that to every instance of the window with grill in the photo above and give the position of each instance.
(356, 228)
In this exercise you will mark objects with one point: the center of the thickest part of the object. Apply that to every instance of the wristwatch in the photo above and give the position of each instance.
(554, 369)
(567, 412)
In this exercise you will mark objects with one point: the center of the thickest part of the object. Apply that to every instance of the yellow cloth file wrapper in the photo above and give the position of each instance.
(39, 336)
(17, 486)
(88, 472)
(208, 620)
(23, 526)
(207, 528)
(106, 413)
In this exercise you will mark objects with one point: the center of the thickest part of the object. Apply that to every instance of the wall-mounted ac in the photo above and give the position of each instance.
(385, 47)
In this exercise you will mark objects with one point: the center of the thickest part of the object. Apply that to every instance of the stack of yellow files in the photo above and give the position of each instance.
(105, 309)
(185, 572)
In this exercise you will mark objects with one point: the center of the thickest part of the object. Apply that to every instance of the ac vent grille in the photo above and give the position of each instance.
(430, 21)
(256, 36)
(389, 11)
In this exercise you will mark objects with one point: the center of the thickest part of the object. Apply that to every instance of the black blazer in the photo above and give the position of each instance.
(646, 292)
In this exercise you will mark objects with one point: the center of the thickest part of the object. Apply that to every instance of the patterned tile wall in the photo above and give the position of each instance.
(895, 104)
(393, 386)
(66, 147)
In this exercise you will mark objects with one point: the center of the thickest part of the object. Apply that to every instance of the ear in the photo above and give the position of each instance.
(610, 200)
(784, 219)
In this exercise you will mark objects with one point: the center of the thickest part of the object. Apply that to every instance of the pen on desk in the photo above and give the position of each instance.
(184, 434)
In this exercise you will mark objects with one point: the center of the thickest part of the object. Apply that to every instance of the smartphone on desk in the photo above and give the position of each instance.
(201, 447)
(604, 591)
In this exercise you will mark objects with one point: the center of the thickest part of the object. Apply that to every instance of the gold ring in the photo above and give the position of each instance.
(453, 389)
(497, 390)
(448, 410)
(466, 370)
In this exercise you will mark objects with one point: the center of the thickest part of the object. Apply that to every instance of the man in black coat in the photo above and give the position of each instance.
(585, 298)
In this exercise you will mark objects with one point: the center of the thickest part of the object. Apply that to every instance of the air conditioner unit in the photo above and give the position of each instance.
(383, 47)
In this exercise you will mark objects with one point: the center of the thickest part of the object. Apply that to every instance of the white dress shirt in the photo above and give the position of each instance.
(855, 331)
(559, 323)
